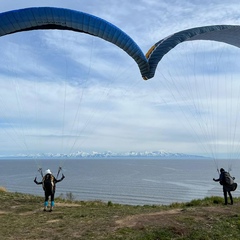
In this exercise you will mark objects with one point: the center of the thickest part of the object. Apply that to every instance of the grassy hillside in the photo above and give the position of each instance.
(22, 217)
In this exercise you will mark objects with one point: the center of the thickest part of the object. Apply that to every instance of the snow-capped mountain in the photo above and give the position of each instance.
(108, 154)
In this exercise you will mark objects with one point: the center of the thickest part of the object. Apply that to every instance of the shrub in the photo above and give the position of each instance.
(3, 189)
(69, 196)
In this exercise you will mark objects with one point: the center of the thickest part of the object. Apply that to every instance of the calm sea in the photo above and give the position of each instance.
(126, 181)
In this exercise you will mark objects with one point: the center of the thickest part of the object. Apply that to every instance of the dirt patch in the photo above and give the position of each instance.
(68, 205)
(170, 217)
(30, 212)
(53, 221)
(3, 212)
(146, 219)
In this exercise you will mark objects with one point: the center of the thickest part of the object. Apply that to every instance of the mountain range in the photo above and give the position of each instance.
(109, 154)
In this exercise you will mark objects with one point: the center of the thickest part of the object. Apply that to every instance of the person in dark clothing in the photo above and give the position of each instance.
(49, 186)
(226, 188)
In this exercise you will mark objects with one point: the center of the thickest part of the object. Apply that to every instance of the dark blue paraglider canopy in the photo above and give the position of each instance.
(66, 19)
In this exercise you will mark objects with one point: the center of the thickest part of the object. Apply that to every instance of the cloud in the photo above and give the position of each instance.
(64, 91)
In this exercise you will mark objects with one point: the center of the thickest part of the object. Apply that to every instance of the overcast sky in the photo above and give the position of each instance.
(63, 92)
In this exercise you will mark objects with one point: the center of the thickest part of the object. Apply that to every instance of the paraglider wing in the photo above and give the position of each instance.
(229, 34)
(65, 19)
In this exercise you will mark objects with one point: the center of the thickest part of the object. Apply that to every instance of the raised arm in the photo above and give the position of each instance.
(35, 180)
(56, 181)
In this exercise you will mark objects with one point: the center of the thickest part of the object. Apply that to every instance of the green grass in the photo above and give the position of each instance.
(22, 217)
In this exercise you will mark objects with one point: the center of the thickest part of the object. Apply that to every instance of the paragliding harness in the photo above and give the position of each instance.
(48, 180)
(228, 180)
(48, 183)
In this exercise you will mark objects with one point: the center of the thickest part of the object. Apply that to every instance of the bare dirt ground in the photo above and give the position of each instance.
(171, 218)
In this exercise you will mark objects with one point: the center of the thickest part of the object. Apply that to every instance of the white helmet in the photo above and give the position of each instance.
(48, 171)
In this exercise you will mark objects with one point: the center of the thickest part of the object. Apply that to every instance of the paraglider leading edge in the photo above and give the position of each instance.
(37, 18)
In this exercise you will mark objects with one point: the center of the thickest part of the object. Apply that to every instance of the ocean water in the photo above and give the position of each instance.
(126, 181)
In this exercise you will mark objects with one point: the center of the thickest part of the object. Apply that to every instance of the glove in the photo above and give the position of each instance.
(63, 176)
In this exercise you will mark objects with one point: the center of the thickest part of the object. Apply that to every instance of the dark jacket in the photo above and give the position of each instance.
(222, 181)
(49, 182)
(221, 178)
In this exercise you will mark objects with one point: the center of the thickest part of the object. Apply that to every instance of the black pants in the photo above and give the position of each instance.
(225, 192)
(49, 194)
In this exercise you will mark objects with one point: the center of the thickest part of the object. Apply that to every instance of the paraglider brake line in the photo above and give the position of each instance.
(59, 170)
(40, 170)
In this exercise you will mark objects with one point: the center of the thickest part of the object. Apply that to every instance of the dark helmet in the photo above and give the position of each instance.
(222, 170)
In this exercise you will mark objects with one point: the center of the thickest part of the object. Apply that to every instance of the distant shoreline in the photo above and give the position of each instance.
(106, 157)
